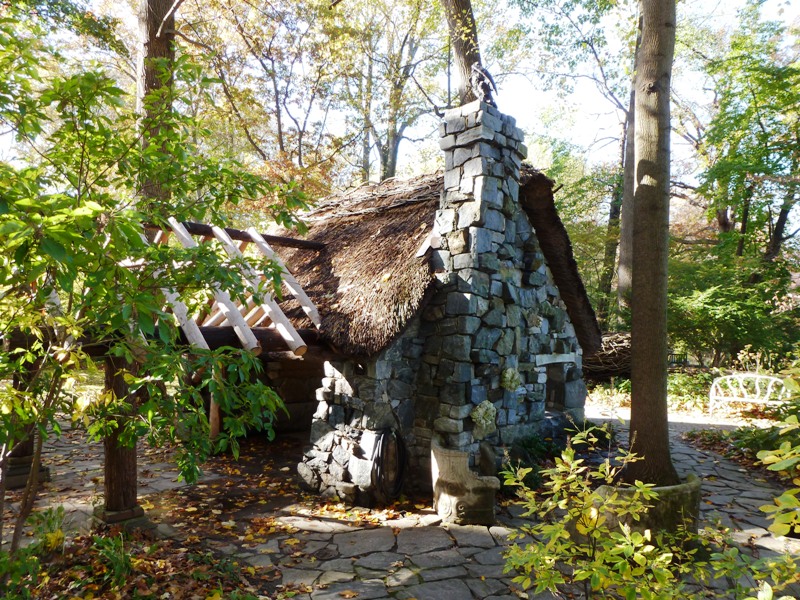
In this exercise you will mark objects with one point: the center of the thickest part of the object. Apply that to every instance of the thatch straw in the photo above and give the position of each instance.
(367, 283)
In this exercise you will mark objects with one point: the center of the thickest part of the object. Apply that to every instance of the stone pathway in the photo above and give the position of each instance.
(312, 557)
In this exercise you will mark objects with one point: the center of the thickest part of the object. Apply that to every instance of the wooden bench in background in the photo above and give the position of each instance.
(747, 388)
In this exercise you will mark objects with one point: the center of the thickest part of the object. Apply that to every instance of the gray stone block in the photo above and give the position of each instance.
(378, 415)
(320, 432)
(506, 344)
(489, 263)
(445, 219)
(513, 315)
(470, 136)
(484, 356)
(474, 167)
(574, 394)
(459, 412)
(486, 338)
(440, 260)
(462, 261)
(309, 478)
(477, 394)
(454, 124)
(495, 318)
(462, 372)
(452, 179)
(474, 281)
(452, 393)
(487, 150)
(459, 440)
(448, 142)
(456, 347)
(489, 120)
(360, 471)
(486, 190)
(448, 425)
(480, 240)
(468, 324)
(494, 220)
(470, 214)
(340, 455)
(399, 390)
(461, 155)
(459, 303)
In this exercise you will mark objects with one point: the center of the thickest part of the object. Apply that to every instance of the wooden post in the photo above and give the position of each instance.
(120, 470)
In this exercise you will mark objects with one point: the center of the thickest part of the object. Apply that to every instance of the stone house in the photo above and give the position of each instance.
(454, 316)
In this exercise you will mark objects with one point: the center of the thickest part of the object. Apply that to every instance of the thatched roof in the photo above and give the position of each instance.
(367, 283)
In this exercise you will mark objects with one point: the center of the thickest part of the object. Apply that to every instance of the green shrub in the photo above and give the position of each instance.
(785, 511)
(688, 391)
(574, 544)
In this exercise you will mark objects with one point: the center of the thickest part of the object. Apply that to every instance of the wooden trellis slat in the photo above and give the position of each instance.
(224, 302)
(191, 331)
(270, 307)
(291, 283)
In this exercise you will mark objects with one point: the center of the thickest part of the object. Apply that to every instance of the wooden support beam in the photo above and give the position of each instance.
(243, 236)
(269, 338)
(270, 307)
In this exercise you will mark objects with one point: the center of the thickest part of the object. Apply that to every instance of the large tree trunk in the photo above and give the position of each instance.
(120, 473)
(649, 419)
(464, 41)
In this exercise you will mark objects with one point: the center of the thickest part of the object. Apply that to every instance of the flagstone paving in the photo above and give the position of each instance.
(411, 555)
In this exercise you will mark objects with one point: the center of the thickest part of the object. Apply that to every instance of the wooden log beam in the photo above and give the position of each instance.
(269, 338)
(271, 341)
(242, 236)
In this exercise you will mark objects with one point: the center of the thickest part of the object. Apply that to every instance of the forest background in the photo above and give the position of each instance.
(328, 95)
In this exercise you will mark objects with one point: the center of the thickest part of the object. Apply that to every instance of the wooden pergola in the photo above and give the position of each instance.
(257, 324)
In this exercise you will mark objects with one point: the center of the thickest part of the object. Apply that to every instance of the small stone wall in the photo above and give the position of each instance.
(490, 354)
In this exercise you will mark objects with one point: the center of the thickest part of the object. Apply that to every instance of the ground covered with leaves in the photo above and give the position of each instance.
(240, 506)
(114, 564)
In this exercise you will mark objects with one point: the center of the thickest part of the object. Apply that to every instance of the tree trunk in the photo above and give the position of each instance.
(157, 30)
(745, 219)
(464, 41)
(624, 269)
(649, 419)
(778, 236)
(612, 239)
(120, 484)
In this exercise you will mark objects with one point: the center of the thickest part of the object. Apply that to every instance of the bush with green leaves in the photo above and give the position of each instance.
(573, 541)
(784, 458)
(580, 539)
(689, 390)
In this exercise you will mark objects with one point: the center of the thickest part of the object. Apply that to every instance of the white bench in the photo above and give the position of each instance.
(748, 388)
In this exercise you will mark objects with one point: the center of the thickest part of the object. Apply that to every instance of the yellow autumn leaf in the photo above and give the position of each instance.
(348, 594)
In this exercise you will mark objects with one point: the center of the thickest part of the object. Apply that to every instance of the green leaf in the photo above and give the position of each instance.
(54, 249)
